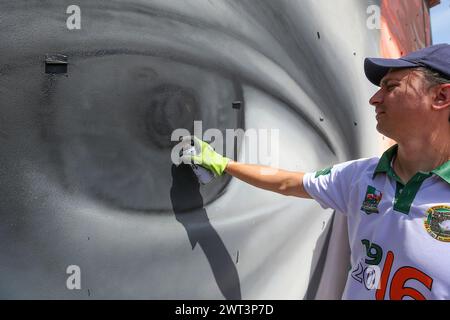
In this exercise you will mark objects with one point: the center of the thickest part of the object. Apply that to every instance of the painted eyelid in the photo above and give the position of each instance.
(257, 69)
(300, 102)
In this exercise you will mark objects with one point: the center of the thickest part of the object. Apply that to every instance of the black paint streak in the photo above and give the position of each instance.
(188, 207)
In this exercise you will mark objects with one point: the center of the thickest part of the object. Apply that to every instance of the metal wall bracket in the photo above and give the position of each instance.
(237, 105)
(55, 63)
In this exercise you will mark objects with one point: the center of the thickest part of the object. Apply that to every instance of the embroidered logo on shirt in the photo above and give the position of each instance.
(371, 200)
(323, 172)
(437, 223)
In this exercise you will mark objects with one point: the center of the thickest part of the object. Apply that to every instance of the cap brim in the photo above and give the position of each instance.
(377, 68)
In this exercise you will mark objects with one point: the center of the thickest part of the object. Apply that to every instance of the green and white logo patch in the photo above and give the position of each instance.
(371, 200)
(437, 223)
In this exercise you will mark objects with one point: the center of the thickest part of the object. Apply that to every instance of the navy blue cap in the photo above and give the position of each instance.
(436, 57)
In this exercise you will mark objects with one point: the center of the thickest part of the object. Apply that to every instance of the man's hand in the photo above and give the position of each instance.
(206, 156)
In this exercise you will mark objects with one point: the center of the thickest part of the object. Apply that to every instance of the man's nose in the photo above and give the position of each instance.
(377, 98)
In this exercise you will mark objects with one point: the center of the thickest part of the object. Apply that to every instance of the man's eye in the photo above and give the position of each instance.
(114, 119)
(391, 87)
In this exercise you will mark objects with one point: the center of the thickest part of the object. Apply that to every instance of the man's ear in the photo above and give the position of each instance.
(441, 98)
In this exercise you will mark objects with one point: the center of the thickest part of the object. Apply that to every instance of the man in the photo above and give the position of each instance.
(398, 206)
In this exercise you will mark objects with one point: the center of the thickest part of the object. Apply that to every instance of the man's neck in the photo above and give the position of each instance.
(424, 155)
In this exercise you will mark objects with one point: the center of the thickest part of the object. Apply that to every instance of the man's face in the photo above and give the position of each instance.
(402, 104)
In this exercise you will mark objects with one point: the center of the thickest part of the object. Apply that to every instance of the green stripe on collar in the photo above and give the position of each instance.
(405, 194)
(443, 171)
(384, 165)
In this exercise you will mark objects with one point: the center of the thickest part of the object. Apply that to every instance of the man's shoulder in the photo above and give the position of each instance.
(360, 165)
(354, 172)
(349, 169)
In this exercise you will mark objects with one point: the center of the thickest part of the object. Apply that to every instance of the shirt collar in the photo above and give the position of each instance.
(384, 165)
(443, 171)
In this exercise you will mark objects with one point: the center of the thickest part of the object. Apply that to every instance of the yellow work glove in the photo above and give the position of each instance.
(204, 156)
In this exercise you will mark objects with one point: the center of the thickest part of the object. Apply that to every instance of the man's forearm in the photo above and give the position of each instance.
(268, 178)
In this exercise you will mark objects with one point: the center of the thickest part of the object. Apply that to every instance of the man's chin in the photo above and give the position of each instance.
(386, 133)
(382, 129)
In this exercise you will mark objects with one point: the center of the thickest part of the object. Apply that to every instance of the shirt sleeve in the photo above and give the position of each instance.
(331, 187)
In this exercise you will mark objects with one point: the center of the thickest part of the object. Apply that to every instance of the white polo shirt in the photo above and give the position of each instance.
(399, 234)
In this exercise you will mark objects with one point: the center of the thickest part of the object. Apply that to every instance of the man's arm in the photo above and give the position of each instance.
(284, 182)
(268, 178)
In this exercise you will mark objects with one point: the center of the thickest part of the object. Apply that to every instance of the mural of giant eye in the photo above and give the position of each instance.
(114, 144)
(92, 93)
